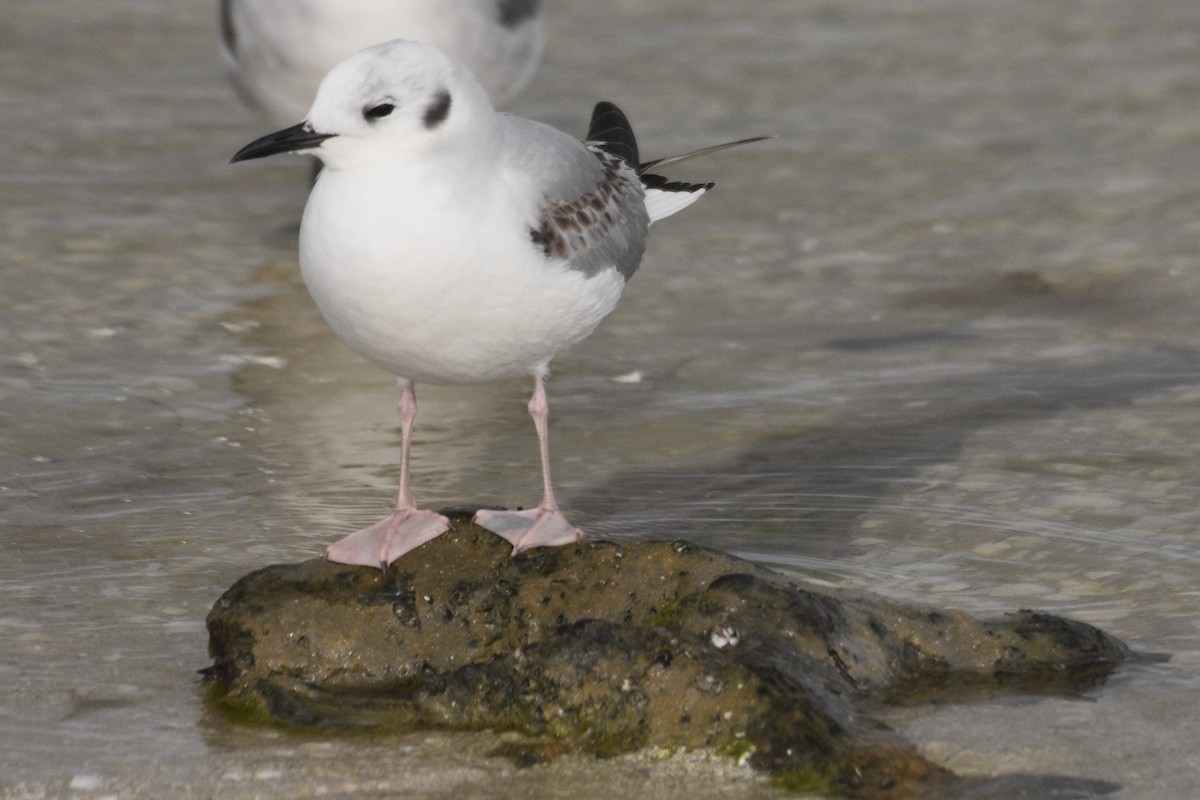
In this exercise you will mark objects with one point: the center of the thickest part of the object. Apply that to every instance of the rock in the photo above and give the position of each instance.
(615, 647)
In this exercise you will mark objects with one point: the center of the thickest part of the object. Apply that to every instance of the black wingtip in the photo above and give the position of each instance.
(611, 132)
(651, 181)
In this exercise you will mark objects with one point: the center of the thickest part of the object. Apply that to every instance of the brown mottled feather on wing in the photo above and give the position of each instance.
(603, 228)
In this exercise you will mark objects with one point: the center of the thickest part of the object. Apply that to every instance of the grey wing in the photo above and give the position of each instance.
(602, 228)
(592, 213)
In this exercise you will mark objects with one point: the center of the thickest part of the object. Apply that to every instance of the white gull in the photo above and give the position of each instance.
(450, 244)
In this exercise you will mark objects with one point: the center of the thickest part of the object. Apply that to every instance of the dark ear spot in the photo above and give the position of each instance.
(228, 32)
(514, 12)
(438, 110)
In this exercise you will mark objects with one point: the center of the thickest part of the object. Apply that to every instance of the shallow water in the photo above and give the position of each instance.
(938, 341)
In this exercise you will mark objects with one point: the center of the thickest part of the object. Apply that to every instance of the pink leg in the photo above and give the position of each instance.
(407, 527)
(544, 526)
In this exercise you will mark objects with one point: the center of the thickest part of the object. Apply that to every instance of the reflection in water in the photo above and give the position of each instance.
(937, 340)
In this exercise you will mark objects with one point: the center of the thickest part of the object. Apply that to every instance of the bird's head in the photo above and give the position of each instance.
(394, 97)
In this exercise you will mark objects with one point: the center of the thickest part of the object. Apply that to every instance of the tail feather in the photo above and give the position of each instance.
(664, 198)
(611, 131)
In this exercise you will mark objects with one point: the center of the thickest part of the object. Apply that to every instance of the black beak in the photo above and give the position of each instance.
(288, 140)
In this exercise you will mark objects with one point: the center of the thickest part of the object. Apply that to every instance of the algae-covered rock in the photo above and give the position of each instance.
(614, 647)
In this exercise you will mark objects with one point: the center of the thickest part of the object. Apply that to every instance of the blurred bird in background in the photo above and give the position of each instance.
(277, 51)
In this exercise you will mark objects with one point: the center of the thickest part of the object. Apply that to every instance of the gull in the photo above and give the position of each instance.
(450, 244)
(277, 51)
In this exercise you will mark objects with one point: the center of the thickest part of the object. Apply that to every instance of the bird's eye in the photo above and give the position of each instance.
(378, 112)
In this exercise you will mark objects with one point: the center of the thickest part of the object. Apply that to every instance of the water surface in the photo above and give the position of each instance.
(938, 341)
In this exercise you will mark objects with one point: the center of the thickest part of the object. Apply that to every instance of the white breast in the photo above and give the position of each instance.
(439, 288)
